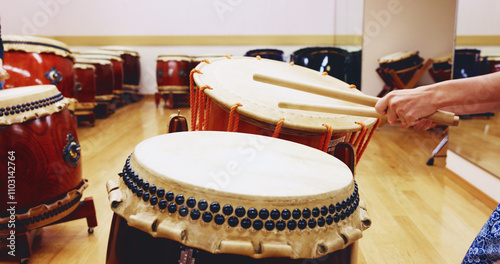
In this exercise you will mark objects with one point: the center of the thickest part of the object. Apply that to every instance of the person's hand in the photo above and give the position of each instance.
(409, 106)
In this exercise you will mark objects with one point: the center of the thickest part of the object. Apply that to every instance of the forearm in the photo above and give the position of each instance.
(469, 95)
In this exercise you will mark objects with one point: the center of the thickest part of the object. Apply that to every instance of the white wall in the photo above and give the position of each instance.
(212, 17)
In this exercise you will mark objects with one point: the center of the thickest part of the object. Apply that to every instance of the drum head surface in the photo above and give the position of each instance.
(242, 164)
(397, 56)
(231, 82)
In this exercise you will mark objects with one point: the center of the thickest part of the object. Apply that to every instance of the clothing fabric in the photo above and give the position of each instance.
(486, 246)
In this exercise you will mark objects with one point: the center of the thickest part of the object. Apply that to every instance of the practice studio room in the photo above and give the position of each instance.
(249, 132)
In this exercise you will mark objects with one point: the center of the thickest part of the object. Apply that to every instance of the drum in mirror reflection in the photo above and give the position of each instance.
(40, 162)
(441, 68)
(404, 63)
(230, 100)
(33, 60)
(466, 63)
(332, 60)
(172, 77)
(249, 199)
(272, 54)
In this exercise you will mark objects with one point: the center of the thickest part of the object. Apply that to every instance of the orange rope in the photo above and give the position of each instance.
(353, 137)
(278, 127)
(228, 56)
(192, 97)
(292, 63)
(328, 137)
(324, 73)
(234, 118)
(352, 86)
(200, 105)
(258, 57)
(205, 61)
(207, 114)
(365, 144)
(361, 134)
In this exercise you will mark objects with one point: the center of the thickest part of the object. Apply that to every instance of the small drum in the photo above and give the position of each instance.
(40, 162)
(441, 68)
(116, 63)
(273, 54)
(249, 199)
(493, 64)
(467, 63)
(35, 60)
(334, 61)
(131, 67)
(172, 77)
(230, 100)
(85, 82)
(405, 64)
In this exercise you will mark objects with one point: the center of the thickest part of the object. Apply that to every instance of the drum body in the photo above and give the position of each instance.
(493, 63)
(334, 61)
(116, 64)
(42, 156)
(131, 67)
(232, 207)
(405, 64)
(34, 61)
(85, 82)
(104, 77)
(235, 102)
(172, 72)
(441, 68)
(466, 63)
(354, 74)
(273, 54)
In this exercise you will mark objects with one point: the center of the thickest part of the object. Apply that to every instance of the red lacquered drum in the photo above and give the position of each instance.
(85, 82)
(116, 63)
(172, 77)
(405, 64)
(35, 60)
(230, 100)
(104, 77)
(40, 162)
(131, 67)
(249, 199)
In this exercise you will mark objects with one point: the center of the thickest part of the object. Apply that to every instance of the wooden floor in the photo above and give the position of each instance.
(419, 214)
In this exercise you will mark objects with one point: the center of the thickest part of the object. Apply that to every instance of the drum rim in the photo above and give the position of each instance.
(393, 57)
(10, 42)
(270, 122)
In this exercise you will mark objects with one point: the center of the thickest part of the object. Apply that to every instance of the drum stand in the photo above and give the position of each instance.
(86, 209)
(393, 81)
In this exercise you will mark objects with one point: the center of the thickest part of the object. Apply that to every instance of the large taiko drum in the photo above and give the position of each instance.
(34, 60)
(40, 161)
(85, 82)
(172, 78)
(249, 199)
(131, 67)
(228, 99)
(332, 60)
(404, 63)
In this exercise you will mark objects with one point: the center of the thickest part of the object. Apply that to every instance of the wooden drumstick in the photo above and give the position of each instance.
(441, 117)
(332, 109)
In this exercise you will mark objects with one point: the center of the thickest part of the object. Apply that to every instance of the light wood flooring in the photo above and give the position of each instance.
(419, 214)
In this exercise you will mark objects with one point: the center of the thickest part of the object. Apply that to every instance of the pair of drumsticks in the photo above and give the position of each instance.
(441, 117)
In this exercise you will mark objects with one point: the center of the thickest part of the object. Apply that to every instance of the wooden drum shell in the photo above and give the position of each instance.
(42, 174)
(127, 244)
(86, 83)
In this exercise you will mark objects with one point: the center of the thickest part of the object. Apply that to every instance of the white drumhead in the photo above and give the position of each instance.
(243, 164)
(231, 82)
(20, 104)
(172, 57)
(35, 45)
(397, 56)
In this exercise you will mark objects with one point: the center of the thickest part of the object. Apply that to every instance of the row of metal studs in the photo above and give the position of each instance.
(25, 107)
(147, 192)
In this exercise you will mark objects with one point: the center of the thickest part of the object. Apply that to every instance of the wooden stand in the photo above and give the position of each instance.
(24, 238)
(393, 81)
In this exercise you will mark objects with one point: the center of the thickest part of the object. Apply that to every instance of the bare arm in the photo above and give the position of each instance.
(462, 96)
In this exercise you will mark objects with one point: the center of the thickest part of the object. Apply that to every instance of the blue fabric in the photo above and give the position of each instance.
(486, 245)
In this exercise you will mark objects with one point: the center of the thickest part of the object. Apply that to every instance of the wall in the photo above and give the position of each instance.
(200, 26)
